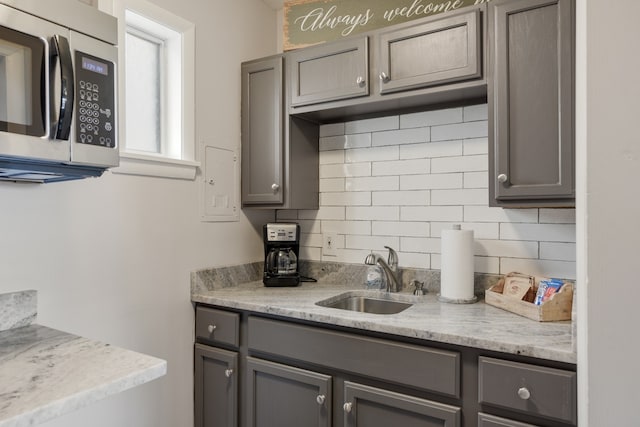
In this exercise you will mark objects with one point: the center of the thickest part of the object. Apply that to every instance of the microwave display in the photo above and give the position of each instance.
(95, 66)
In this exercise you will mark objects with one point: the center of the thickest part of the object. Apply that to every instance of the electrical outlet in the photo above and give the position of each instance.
(330, 241)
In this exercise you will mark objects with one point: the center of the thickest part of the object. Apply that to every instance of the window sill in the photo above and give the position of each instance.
(147, 165)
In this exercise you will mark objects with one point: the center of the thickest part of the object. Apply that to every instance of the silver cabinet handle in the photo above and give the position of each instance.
(384, 77)
(347, 407)
(360, 81)
(320, 399)
(211, 328)
(502, 178)
(275, 187)
(524, 393)
(228, 373)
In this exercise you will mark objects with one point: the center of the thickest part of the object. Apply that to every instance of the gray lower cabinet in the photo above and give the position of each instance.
(367, 406)
(215, 387)
(485, 420)
(329, 72)
(531, 107)
(435, 52)
(284, 396)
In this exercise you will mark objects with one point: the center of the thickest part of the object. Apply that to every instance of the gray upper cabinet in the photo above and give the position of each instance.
(530, 95)
(432, 53)
(329, 72)
(262, 131)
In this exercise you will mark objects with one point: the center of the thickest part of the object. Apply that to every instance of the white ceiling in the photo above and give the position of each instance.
(274, 4)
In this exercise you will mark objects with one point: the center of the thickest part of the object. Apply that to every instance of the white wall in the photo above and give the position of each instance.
(400, 180)
(608, 147)
(111, 257)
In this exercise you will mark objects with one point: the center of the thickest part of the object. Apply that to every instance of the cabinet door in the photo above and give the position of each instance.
(373, 407)
(485, 420)
(531, 101)
(284, 396)
(329, 72)
(216, 387)
(262, 132)
(433, 53)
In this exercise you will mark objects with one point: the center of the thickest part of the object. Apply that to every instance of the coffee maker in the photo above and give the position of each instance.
(281, 250)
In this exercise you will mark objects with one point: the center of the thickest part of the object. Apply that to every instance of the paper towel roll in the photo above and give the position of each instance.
(456, 270)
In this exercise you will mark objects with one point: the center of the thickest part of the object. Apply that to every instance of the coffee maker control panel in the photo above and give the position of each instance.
(281, 232)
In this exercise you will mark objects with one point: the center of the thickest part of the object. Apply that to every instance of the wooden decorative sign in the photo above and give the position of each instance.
(308, 22)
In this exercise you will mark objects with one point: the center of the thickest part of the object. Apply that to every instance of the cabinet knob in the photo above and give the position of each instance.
(524, 393)
(275, 187)
(384, 77)
(228, 373)
(360, 81)
(211, 328)
(347, 407)
(320, 399)
(502, 178)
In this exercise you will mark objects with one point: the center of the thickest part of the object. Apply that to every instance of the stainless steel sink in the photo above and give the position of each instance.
(365, 304)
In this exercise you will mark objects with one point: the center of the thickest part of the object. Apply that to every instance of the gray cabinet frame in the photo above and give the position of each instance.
(436, 52)
(215, 394)
(531, 107)
(302, 395)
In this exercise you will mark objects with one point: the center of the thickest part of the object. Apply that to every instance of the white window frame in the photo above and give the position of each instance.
(179, 159)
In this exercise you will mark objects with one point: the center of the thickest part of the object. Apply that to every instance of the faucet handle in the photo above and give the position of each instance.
(392, 260)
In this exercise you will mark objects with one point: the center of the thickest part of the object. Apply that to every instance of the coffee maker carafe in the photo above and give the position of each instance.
(281, 249)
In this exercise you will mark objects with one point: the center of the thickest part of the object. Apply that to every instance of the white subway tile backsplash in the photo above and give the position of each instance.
(344, 142)
(372, 183)
(431, 118)
(401, 167)
(331, 184)
(331, 157)
(375, 154)
(431, 213)
(557, 216)
(345, 170)
(400, 198)
(403, 136)
(333, 129)
(432, 181)
(431, 149)
(346, 227)
(351, 198)
(374, 213)
(373, 243)
(475, 146)
(372, 125)
(473, 113)
(539, 232)
(459, 197)
(558, 251)
(398, 228)
(459, 131)
(400, 180)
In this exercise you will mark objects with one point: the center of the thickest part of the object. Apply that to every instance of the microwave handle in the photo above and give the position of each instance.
(66, 87)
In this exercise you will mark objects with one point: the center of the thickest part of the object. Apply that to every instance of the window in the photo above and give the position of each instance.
(156, 65)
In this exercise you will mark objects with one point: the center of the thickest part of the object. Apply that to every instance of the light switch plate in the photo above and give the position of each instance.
(329, 244)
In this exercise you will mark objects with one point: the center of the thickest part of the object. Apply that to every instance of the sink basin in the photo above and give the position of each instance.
(365, 304)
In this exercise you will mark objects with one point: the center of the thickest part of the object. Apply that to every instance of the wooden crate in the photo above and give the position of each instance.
(556, 308)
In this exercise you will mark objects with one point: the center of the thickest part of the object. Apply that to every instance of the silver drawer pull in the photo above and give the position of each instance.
(524, 393)
(320, 399)
(275, 187)
(384, 77)
(211, 328)
(347, 407)
(228, 373)
(360, 81)
(502, 178)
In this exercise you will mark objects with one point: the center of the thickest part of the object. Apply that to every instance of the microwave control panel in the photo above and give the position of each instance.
(95, 100)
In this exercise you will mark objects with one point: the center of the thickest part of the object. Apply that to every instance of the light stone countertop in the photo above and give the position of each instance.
(45, 373)
(476, 325)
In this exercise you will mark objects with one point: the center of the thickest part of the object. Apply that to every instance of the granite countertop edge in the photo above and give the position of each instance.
(476, 325)
(46, 373)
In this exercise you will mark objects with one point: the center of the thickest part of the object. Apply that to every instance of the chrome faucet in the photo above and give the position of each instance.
(390, 268)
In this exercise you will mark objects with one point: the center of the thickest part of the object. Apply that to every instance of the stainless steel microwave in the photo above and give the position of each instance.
(58, 77)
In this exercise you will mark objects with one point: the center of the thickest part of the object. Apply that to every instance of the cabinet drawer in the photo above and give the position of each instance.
(545, 392)
(406, 364)
(217, 326)
(485, 420)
